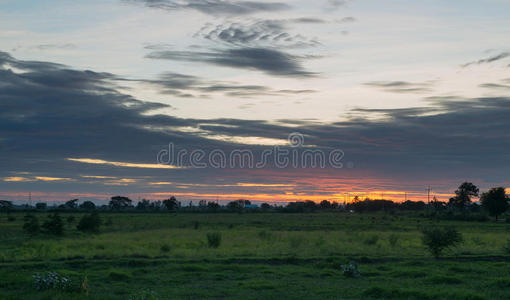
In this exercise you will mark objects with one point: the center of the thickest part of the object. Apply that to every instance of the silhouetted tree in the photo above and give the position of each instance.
(120, 202)
(463, 195)
(213, 206)
(265, 206)
(41, 205)
(71, 204)
(143, 205)
(495, 201)
(88, 205)
(325, 204)
(412, 205)
(5, 205)
(238, 204)
(171, 204)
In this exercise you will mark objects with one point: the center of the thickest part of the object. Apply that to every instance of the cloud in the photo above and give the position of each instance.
(272, 33)
(269, 61)
(495, 86)
(216, 7)
(401, 86)
(43, 122)
(121, 164)
(488, 60)
(192, 86)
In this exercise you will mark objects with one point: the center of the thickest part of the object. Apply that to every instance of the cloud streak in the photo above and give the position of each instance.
(269, 61)
(216, 7)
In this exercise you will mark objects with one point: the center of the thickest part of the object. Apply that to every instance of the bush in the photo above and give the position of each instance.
(438, 239)
(31, 225)
(506, 248)
(51, 280)
(371, 240)
(393, 239)
(71, 219)
(213, 239)
(90, 223)
(11, 218)
(351, 270)
(54, 225)
(165, 248)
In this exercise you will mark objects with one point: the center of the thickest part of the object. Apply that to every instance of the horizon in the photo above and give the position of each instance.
(334, 99)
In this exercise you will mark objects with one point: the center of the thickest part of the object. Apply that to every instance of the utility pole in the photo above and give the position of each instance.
(428, 195)
(30, 198)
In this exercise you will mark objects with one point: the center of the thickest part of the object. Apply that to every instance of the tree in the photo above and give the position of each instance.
(143, 205)
(213, 206)
(31, 225)
(5, 205)
(238, 204)
(41, 205)
(265, 206)
(325, 204)
(88, 205)
(90, 223)
(71, 204)
(495, 201)
(438, 239)
(120, 202)
(171, 204)
(54, 225)
(463, 195)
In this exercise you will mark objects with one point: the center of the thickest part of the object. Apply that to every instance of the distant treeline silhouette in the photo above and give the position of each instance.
(494, 202)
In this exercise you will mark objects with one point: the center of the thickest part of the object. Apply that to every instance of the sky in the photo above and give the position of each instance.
(271, 101)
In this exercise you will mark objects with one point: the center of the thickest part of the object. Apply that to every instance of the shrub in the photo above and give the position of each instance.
(165, 248)
(371, 240)
(351, 270)
(71, 219)
(438, 239)
(11, 218)
(54, 225)
(506, 248)
(31, 225)
(213, 239)
(51, 280)
(108, 222)
(90, 223)
(393, 239)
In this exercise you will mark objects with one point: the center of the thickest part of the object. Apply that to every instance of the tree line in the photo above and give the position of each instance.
(494, 201)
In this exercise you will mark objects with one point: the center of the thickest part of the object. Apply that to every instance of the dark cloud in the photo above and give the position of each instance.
(192, 86)
(495, 86)
(401, 86)
(273, 33)
(269, 61)
(216, 7)
(488, 60)
(81, 114)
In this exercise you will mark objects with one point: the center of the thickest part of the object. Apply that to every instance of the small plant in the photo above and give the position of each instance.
(506, 248)
(31, 225)
(213, 239)
(265, 235)
(165, 248)
(71, 219)
(90, 223)
(11, 218)
(144, 295)
(438, 239)
(371, 240)
(393, 239)
(196, 225)
(108, 222)
(51, 280)
(351, 270)
(54, 225)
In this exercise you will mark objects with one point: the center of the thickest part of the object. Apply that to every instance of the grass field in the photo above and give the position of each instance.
(279, 256)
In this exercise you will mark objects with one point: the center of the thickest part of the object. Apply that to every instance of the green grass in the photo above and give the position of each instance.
(298, 256)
